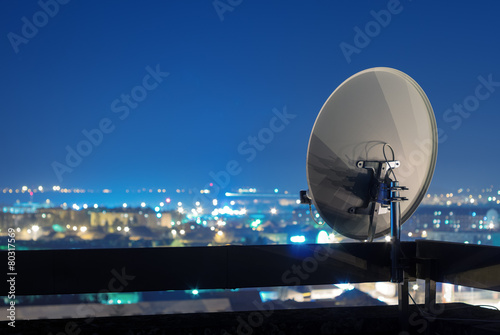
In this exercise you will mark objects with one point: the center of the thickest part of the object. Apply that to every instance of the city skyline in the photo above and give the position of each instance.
(183, 95)
(489, 195)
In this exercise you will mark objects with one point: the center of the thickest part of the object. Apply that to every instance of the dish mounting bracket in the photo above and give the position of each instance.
(380, 199)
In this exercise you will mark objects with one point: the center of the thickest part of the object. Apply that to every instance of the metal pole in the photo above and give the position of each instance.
(395, 218)
(397, 274)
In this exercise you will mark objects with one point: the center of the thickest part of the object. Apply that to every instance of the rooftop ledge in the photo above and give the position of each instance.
(156, 269)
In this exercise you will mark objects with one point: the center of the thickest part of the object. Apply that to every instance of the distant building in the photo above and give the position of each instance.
(113, 219)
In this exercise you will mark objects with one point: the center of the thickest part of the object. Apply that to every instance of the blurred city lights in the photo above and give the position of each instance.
(298, 239)
(255, 223)
(345, 287)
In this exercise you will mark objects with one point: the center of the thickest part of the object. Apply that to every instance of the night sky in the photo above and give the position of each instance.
(176, 88)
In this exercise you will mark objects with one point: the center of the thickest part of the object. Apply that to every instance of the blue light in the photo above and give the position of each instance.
(268, 295)
(345, 287)
(195, 292)
(474, 214)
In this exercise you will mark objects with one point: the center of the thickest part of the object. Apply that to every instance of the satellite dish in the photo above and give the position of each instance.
(349, 155)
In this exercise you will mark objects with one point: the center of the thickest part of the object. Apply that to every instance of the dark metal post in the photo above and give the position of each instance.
(403, 302)
(430, 294)
(397, 274)
(430, 301)
(395, 219)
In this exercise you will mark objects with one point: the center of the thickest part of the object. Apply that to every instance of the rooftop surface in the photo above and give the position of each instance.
(453, 318)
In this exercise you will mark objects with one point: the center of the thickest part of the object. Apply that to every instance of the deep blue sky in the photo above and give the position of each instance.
(225, 78)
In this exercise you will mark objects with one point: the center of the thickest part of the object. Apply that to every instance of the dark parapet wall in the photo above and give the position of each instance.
(380, 320)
